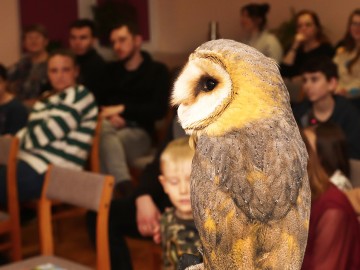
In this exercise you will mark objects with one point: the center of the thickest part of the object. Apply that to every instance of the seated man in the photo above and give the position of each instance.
(59, 131)
(320, 80)
(28, 77)
(138, 91)
(82, 38)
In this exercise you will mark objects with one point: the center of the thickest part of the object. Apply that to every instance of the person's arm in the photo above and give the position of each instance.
(290, 56)
(148, 217)
(332, 241)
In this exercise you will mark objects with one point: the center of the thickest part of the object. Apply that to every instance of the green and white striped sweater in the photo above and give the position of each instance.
(60, 130)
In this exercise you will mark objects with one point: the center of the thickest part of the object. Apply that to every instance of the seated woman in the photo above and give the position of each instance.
(59, 131)
(13, 114)
(309, 42)
(334, 232)
(253, 23)
(347, 58)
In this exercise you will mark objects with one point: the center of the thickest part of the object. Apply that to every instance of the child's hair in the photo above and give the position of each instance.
(3, 72)
(322, 64)
(177, 150)
(318, 178)
(257, 11)
(331, 147)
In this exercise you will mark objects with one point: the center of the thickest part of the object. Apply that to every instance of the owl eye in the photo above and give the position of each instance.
(209, 84)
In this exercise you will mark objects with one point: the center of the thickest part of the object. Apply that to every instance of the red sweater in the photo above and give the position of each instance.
(334, 234)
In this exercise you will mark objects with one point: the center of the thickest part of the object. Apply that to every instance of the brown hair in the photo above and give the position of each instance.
(64, 52)
(318, 179)
(320, 36)
(349, 42)
(257, 11)
(331, 146)
(39, 28)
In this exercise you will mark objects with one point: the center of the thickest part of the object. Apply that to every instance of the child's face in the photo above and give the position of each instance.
(316, 86)
(175, 180)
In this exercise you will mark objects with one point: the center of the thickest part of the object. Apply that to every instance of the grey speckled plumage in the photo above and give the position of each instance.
(249, 187)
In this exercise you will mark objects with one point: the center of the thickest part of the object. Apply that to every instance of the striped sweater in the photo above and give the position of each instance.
(60, 130)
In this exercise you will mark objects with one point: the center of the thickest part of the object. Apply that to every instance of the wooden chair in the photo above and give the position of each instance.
(355, 172)
(10, 220)
(84, 189)
(94, 158)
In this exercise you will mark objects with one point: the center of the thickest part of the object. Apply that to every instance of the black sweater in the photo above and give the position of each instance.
(144, 91)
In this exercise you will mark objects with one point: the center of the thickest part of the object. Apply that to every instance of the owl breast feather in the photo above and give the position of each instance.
(261, 167)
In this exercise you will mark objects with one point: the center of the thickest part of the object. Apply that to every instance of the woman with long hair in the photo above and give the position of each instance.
(309, 42)
(347, 58)
(334, 232)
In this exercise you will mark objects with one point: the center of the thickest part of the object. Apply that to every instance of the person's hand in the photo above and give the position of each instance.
(148, 217)
(107, 111)
(117, 121)
(299, 38)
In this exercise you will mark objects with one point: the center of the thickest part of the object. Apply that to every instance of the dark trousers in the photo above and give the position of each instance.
(29, 183)
(122, 222)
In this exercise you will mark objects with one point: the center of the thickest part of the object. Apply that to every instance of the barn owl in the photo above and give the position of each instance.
(249, 186)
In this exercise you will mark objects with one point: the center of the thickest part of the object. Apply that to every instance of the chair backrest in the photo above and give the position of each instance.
(8, 152)
(355, 172)
(85, 189)
(94, 156)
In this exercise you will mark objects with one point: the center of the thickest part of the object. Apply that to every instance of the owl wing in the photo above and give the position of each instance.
(260, 167)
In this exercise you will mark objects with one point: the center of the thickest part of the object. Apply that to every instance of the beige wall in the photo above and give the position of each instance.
(10, 34)
(179, 26)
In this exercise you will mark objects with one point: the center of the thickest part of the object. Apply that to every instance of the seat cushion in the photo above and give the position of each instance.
(31, 263)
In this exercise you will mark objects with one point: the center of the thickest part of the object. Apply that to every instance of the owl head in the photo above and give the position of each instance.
(226, 85)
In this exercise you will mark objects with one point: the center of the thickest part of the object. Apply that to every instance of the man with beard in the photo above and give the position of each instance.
(138, 91)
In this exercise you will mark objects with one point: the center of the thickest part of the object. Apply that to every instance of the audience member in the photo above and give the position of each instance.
(319, 83)
(347, 59)
(82, 38)
(309, 42)
(28, 76)
(253, 21)
(178, 232)
(138, 90)
(59, 130)
(137, 215)
(331, 147)
(334, 232)
(13, 114)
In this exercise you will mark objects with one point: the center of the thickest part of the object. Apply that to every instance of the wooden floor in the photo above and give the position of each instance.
(72, 242)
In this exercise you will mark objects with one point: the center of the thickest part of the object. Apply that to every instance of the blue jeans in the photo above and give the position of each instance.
(29, 182)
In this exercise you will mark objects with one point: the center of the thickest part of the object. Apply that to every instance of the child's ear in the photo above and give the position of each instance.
(163, 182)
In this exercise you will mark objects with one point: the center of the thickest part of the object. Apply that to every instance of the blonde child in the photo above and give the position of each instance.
(178, 231)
